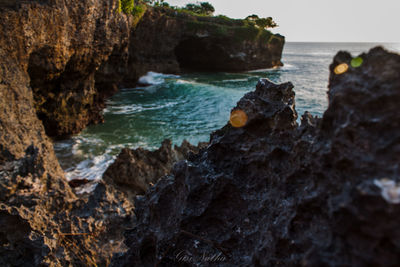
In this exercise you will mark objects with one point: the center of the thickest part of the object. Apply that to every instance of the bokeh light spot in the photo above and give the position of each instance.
(238, 118)
(341, 68)
(356, 62)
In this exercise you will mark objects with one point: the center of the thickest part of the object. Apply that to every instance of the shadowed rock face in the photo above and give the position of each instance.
(134, 170)
(167, 41)
(325, 193)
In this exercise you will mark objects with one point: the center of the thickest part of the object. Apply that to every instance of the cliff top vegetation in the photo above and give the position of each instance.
(200, 17)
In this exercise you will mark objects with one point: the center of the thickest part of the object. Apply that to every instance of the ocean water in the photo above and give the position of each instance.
(192, 105)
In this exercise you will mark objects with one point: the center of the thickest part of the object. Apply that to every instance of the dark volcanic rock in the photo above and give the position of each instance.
(325, 193)
(134, 170)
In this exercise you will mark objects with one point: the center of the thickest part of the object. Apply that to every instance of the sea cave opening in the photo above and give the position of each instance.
(200, 54)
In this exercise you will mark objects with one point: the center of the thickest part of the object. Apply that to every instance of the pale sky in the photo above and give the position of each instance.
(320, 20)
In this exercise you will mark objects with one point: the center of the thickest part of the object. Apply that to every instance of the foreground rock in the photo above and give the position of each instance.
(49, 53)
(135, 170)
(325, 193)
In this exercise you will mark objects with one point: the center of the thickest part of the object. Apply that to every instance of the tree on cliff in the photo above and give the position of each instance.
(252, 17)
(207, 8)
(263, 23)
(203, 8)
(266, 23)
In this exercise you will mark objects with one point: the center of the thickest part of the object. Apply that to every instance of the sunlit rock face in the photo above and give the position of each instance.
(59, 47)
(49, 51)
(270, 193)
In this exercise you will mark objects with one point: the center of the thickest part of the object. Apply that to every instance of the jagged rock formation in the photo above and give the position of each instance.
(134, 170)
(59, 60)
(43, 222)
(61, 46)
(49, 53)
(325, 193)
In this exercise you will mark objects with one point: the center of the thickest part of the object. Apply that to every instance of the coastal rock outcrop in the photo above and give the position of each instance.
(168, 41)
(325, 193)
(61, 46)
(74, 55)
(49, 52)
(135, 170)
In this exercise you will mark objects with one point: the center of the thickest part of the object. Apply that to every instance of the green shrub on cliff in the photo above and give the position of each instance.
(126, 6)
(130, 8)
(263, 23)
(223, 20)
(203, 8)
(266, 23)
(251, 28)
(239, 32)
(138, 12)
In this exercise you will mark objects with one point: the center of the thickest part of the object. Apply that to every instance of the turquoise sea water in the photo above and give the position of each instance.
(192, 105)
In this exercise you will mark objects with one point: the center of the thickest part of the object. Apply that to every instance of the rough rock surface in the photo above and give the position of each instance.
(167, 41)
(43, 222)
(326, 193)
(73, 55)
(55, 48)
(135, 169)
(59, 60)
(49, 51)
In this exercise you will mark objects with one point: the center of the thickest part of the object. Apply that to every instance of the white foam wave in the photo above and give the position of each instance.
(153, 78)
(194, 83)
(286, 66)
(91, 169)
(236, 80)
(328, 53)
(322, 53)
(179, 81)
(134, 108)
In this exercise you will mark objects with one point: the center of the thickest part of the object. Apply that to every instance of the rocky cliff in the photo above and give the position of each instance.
(168, 41)
(74, 55)
(325, 193)
(58, 46)
(59, 60)
(49, 52)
